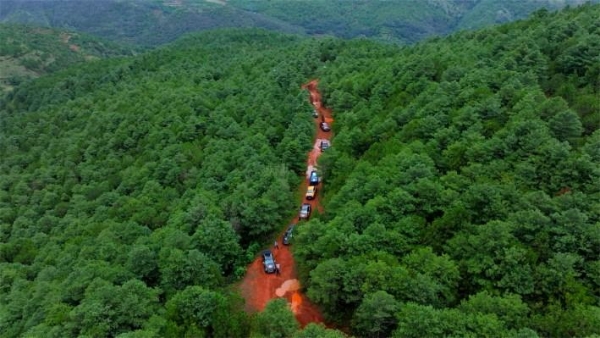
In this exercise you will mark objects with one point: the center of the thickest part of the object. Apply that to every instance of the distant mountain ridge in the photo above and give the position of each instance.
(146, 23)
(156, 22)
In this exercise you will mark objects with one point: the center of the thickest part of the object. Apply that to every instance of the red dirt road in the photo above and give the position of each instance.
(258, 287)
(324, 115)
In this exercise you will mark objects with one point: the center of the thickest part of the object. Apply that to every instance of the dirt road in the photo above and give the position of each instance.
(258, 287)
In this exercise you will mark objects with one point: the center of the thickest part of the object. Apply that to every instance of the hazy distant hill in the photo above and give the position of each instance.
(142, 22)
(28, 52)
(154, 22)
(486, 12)
(400, 21)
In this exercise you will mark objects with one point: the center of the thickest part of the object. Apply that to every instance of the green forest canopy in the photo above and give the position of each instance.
(147, 176)
(461, 191)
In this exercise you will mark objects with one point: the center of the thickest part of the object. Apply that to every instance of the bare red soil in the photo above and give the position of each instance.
(258, 287)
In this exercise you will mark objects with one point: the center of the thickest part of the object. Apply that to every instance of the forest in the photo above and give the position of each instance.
(130, 186)
(462, 192)
(463, 184)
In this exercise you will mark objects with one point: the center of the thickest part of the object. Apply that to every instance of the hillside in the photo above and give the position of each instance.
(487, 12)
(463, 184)
(29, 52)
(130, 187)
(401, 22)
(460, 194)
(137, 22)
(155, 22)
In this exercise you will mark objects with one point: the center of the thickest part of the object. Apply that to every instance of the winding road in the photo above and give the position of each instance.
(257, 287)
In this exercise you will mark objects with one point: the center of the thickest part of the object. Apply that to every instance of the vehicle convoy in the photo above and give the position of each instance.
(305, 210)
(289, 233)
(311, 192)
(313, 179)
(268, 261)
(259, 288)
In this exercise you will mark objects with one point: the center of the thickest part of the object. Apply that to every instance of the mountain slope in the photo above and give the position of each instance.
(488, 12)
(140, 22)
(462, 185)
(134, 191)
(28, 52)
(155, 22)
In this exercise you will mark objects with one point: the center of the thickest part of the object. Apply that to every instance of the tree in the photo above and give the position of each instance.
(228, 320)
(218, 239)
(142, 261)
(440, 272)
(318, 330)
(558, 279)
(509, 308)
(375, 317)
(577, 321)
(276, 320)
(566, 126)
(492, 257)
(198, 311)
(179, 269)
(324, 287)
(108, 310)
(425, 321)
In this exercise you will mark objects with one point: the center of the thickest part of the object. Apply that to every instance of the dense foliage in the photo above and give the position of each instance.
(154, 22)
(462, 189)
(28, 52)
(133, 191)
